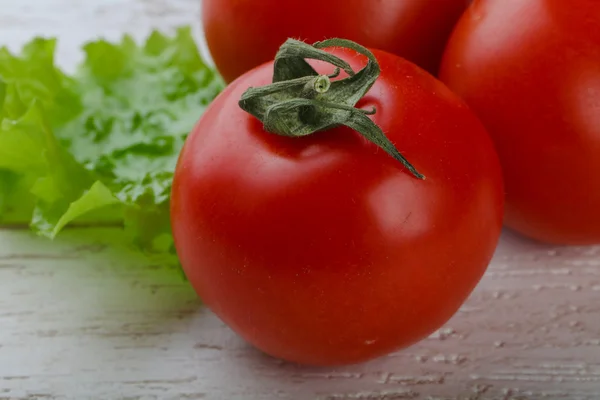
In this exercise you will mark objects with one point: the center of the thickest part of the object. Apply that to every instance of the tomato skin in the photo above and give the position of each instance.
(323, 250)
(531, 71)
(242, 34)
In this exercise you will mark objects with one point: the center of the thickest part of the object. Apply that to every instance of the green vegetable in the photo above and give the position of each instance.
(99, 147)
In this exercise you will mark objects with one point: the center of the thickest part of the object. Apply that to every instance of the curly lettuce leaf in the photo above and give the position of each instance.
(99, 147)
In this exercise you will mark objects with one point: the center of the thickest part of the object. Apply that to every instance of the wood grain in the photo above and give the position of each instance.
(83, 319)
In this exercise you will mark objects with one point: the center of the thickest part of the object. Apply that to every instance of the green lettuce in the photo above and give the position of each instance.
(99, 147)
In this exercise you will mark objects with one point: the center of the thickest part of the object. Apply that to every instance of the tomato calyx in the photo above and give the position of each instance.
(300, 102)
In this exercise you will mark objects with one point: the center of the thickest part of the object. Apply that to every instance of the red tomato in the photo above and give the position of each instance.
(531, 71)
(324, 249)
(242, 34)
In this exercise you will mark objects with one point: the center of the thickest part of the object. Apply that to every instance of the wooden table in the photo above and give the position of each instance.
(90, 320)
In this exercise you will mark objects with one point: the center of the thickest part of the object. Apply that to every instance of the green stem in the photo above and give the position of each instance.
(301, 102)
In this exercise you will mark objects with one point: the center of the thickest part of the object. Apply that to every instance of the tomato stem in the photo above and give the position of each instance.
(301, 102)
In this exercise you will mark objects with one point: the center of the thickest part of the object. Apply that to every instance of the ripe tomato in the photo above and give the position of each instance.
(242, 34)
(531, 71)
(324, 249)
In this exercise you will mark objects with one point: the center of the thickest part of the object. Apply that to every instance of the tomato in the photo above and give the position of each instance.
(323, 249)
(531, 71)
(242, 34)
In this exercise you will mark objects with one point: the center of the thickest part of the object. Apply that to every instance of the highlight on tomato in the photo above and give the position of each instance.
(242, 34)
(336, 204)
(531, 71)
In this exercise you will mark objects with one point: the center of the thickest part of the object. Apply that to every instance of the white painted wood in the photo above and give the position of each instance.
(81, 320)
